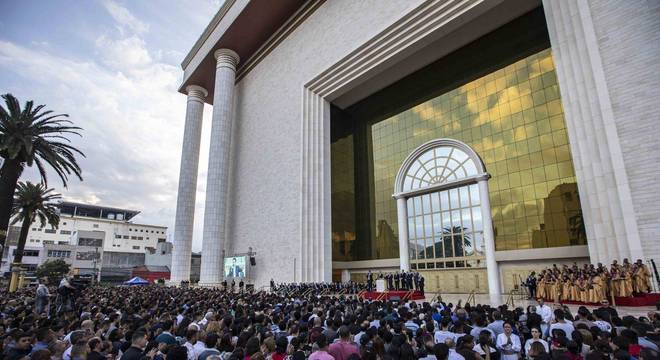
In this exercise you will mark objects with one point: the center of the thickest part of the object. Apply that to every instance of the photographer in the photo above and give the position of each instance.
(65, 293)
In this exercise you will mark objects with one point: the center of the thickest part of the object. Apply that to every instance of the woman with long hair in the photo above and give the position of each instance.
(536, 338)
(485, 346)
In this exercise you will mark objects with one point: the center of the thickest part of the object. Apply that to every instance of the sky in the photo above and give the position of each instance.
(114, 67)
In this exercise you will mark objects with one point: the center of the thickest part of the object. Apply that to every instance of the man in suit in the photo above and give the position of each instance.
(235, 270)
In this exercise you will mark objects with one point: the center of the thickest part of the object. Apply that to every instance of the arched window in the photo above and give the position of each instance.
(444, 210)
(439, 165)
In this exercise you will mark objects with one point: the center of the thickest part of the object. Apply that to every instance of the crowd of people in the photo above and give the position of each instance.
(298, 289)
(177, 323)
(589, 283)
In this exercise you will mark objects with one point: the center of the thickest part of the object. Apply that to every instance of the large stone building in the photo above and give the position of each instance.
(472, 140)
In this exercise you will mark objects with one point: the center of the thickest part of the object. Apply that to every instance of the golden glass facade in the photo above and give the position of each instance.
(343, 199)
(513, 118)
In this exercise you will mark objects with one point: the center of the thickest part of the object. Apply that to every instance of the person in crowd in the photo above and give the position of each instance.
(485, 347)
(497, 326)
(138, 345)
(42, 298)
(536, 338)
(322, 352)
(508, 343)
(537, 352)
(210, 349)
(344, 348)
(561, 323)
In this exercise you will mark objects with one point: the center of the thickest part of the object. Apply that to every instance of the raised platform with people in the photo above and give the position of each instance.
(593, 284)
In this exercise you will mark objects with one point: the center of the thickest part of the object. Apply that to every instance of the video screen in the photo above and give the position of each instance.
(235, 267)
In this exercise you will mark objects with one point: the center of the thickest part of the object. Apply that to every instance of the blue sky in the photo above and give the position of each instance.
(114, 67)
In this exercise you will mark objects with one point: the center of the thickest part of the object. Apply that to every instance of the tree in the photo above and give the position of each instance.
(53, 270)
(28, 137)
(31, 202)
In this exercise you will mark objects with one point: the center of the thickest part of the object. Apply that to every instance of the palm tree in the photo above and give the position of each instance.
(31, 202)
(30, 136)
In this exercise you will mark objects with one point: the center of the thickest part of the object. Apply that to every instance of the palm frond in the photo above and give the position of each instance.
(33, 135)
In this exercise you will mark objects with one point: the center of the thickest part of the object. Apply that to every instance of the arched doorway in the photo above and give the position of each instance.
(444, 211)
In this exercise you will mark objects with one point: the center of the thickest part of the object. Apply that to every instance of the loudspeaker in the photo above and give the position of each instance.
(253, 261)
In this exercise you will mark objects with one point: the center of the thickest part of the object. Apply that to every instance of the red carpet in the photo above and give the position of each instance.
(640, 300)
(375, 295)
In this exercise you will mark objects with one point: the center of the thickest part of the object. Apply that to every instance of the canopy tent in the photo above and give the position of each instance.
(137, 281)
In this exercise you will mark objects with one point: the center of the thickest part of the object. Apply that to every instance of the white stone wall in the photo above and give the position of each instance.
(606, 55)
(266, 160)
(628, 34)
(265, 185)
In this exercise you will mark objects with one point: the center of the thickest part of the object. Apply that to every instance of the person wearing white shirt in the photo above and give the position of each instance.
(546, 315)
(600, 322)
(453, 355)
(562, 325)
(508, 343)
(443, 333)
(191, 340)
(536, 337)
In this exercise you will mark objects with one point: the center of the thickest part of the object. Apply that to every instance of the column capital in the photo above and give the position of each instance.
(196, 92)
(226, 57)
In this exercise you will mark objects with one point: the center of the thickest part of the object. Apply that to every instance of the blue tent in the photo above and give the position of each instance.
(136, 281)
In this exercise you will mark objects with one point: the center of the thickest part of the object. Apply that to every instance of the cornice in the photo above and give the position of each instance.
(207, 32)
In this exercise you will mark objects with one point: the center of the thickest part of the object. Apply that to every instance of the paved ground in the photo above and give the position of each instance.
(485, 299)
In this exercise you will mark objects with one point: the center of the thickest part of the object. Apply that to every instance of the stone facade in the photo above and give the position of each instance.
(269, 166)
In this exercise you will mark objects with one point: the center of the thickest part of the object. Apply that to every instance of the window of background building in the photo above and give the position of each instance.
(117, 236)
(28, 253)
(59, 253)
(65, 232)
(136, 248)
(50, 231)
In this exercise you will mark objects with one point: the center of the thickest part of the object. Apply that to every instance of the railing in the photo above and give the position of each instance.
(408, 295)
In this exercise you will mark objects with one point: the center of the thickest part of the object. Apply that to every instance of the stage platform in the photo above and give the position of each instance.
(387, 295)
(634, 301)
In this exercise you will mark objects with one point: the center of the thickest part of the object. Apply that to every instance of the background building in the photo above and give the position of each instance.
(89, 237)
(319, 105)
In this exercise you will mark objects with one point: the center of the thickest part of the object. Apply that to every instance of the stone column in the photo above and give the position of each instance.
(489, 241)
(404, 253)
(185, 202)
(213, 240)
(593, 128)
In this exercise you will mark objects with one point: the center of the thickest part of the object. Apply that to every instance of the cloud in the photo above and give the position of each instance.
(126, 100)
(133, 126)
(124, 18)
(125, 54)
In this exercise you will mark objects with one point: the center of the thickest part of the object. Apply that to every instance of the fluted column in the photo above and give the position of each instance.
(218, 173)
(185, 201)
